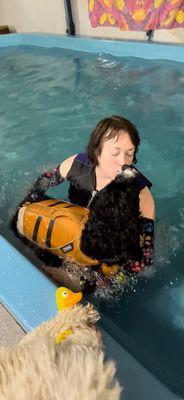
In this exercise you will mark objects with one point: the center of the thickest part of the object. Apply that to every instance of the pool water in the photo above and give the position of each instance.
(50, 100)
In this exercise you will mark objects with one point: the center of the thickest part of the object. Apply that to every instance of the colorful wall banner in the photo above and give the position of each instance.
(137, 15)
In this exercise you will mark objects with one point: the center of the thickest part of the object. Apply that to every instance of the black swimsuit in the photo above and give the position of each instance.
(82, 180)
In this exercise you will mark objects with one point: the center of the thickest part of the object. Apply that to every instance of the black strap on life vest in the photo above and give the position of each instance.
(36, 227)
(49, 233)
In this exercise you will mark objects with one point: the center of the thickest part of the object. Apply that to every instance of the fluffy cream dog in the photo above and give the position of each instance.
(39, 369)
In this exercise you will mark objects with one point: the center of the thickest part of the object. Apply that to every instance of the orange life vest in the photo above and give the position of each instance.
(55, 226)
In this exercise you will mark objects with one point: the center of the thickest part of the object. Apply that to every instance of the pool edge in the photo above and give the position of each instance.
(145, 50)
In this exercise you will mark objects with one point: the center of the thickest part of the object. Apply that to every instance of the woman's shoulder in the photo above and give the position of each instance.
(67, 164)
(143, 181)
(83, 159)
(147, 204)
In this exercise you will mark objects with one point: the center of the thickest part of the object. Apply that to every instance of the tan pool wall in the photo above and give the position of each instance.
(48, 16)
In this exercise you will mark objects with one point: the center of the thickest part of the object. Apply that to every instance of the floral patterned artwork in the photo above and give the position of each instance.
(137, 15)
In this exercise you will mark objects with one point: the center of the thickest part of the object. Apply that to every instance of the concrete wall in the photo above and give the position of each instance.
(49, 16)
(34, 15)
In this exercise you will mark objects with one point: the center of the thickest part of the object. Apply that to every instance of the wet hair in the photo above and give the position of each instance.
(109, 128)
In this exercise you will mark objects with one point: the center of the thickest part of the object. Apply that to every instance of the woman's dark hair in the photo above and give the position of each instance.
(109, 128)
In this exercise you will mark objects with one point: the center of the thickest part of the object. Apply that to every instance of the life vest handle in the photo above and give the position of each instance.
(66, 244)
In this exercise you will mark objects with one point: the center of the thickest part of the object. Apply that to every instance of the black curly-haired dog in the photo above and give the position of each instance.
(112, 232)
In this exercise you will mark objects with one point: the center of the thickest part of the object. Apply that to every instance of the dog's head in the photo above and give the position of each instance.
(122, 190)
(127, 174)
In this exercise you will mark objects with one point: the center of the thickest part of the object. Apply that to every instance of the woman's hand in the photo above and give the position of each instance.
(147, 245)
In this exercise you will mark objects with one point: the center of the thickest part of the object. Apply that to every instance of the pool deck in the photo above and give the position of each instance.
(10, 332)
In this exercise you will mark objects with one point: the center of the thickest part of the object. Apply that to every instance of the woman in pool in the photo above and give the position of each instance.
(113, 143)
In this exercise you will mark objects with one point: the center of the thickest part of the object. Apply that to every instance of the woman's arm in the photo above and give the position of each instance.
(66, 165)
(147, 209)
(147, 205)
(48, 180)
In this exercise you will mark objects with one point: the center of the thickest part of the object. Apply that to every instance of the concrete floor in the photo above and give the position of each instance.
(10, 332)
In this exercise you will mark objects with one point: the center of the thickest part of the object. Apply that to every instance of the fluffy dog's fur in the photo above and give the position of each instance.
(80, 319)
(113, 229)
(38, 369)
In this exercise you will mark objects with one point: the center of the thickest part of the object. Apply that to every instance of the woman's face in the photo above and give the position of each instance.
(115, 153)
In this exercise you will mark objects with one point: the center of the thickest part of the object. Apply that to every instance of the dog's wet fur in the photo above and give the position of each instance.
(113, 229)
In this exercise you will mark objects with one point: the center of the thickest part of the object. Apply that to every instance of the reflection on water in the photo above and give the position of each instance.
(169, 305)
(50, 100)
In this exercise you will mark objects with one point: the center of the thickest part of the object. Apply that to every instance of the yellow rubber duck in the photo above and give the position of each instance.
(65, 298)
